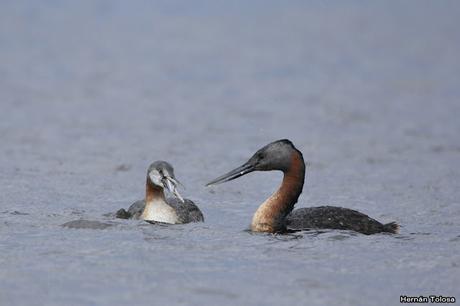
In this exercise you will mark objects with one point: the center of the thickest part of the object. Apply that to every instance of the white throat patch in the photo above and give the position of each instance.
(158, 210)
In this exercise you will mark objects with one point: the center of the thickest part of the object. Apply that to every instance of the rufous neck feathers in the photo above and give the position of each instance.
(153, 192)
(270, 216)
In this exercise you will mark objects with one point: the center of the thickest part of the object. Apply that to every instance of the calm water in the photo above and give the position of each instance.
(92, 92)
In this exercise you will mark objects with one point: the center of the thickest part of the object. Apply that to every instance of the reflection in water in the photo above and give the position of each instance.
(87, 224)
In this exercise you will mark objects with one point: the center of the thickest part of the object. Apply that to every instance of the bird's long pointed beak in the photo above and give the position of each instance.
(235, 173)
(176, 182)
(171, 184)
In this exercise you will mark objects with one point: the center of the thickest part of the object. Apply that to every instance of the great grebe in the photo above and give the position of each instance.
(276, 215)
(156, 207)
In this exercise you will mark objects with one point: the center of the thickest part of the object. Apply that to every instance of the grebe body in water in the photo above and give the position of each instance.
(275, 214)
(156, 207)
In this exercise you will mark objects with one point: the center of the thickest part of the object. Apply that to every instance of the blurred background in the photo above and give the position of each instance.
(91, 92)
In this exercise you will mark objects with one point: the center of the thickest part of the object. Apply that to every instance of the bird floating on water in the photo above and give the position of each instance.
(275, 215)
(156, 207)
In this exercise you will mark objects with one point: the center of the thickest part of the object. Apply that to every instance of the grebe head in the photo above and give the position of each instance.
(161, 174)
(274, 156)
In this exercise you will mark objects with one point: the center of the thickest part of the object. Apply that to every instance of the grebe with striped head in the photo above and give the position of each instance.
(275, 215)
(156, 207)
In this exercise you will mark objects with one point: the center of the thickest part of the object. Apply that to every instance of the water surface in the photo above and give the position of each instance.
(92, 92)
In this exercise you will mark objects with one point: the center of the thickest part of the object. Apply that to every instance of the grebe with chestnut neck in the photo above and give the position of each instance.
(275, 215)
(156, 207)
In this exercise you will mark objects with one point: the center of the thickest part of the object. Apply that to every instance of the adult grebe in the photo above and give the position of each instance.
(276, 215)
(156, 207)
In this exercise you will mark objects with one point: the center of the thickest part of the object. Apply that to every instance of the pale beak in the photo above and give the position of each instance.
(176, 182)
(171, 185)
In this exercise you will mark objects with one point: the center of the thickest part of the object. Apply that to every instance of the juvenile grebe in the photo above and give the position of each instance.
(276, 215)
(156, 207)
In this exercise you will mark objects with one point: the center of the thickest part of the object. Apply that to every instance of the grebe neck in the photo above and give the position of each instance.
(153, 192)
(270, 216)
(156, 208)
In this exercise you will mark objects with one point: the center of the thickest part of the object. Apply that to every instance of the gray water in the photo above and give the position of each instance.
(91, 92)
